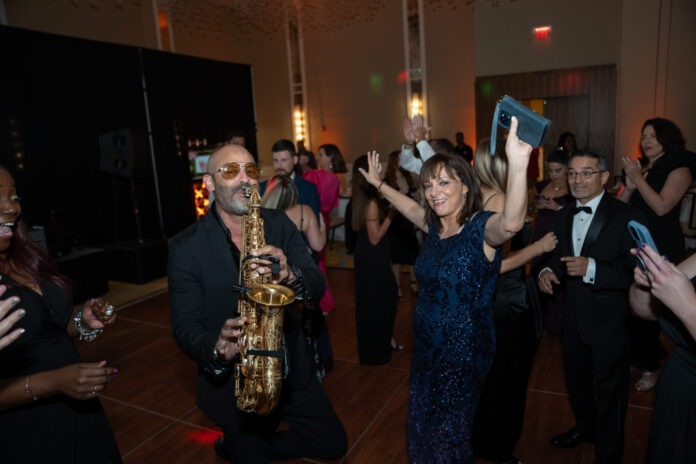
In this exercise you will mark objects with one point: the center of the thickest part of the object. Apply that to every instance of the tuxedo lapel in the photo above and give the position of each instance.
(598, 220)
(567, 245)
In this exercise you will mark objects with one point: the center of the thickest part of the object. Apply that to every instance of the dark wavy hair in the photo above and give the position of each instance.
(558, 156)
(25, 258)
(668, 134)
(454, 166)
(338, 165)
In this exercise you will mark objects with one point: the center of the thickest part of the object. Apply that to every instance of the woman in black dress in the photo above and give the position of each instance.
(402, 234)
(49, 406)
(551, 195)
(375, 287)
(500, 412)
(656, 187)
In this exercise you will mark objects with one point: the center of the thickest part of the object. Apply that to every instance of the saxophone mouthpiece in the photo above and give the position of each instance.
(247, 190)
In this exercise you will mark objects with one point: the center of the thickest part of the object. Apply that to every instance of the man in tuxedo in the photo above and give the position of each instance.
(594, 262)
(204, 263)
(285, 162)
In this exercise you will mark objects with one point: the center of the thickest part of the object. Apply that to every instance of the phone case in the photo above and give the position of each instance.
(641, 234)
(532, 127)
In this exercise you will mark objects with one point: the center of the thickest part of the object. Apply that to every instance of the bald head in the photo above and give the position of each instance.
(228, 154)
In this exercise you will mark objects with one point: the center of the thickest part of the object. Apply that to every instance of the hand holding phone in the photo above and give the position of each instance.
(532, 127)
(641, 235)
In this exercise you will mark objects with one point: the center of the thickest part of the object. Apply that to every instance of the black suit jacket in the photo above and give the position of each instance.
(598, 312)
(201, 271)
(307, 191)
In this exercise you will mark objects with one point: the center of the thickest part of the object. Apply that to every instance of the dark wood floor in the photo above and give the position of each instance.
(151, 405)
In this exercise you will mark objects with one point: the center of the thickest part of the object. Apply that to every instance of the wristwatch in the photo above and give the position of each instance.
(218, 358)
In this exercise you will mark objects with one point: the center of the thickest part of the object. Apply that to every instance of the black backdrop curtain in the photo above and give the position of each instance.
(59, 94)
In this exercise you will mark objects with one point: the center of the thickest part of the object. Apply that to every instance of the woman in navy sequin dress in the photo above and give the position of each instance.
(457, 269)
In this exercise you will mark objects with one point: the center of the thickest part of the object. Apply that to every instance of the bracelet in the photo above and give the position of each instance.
(85, 333)
(298, 285)
(380, 187)
(27, 391)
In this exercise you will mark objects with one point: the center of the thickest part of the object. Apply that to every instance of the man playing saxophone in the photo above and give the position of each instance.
(204, 281)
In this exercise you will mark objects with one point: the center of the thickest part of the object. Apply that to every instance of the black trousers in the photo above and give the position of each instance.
(500, 411)
(597, 377)
(308, 428)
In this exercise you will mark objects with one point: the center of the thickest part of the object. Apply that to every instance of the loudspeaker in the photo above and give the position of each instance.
(122, 152)
(136, 262)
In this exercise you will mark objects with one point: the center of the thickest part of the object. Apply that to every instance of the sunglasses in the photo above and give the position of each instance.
(231, 170)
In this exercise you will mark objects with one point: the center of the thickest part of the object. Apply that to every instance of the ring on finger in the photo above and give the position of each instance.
(110, 309)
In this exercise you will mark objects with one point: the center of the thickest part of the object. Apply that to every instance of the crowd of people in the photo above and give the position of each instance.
(457, 222)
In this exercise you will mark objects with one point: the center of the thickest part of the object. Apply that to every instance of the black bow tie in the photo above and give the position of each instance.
(586, 209)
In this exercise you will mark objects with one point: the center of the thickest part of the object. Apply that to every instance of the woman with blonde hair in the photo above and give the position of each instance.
(500, 412)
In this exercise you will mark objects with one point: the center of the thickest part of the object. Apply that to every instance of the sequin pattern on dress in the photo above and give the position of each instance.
(454, 343)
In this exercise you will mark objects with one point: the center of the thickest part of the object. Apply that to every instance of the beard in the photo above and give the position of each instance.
(229, 201)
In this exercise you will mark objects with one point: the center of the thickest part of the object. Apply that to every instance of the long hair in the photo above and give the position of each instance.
(393, 167)
(491, 170)
(454, 166)
(311, 160)
(668, 134)
(338, 165)
(25, 258)
(281, 193)
(363, 193)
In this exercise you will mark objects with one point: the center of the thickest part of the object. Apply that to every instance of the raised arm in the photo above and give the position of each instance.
(502, 226)
(415, 134)
(519, 258)
(403, 203)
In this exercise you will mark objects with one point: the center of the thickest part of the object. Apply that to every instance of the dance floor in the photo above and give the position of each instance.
(151, 404)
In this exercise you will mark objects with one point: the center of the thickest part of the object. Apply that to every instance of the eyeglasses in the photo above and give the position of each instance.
(231, 170)
(584, 175)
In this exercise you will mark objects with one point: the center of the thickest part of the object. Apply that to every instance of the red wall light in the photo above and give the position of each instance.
(542, 32)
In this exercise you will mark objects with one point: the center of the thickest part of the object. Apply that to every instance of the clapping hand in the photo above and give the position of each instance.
(633, 171)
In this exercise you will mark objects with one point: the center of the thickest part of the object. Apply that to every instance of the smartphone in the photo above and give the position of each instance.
(641, 235)
(531, 128)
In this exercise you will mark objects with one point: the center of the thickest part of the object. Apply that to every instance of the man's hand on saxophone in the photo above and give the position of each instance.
(272, 260)
(228, 344)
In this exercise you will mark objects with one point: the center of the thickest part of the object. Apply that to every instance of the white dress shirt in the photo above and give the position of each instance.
(581, 224)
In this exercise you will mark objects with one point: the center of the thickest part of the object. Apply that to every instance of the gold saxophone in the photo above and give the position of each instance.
(259, 373)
